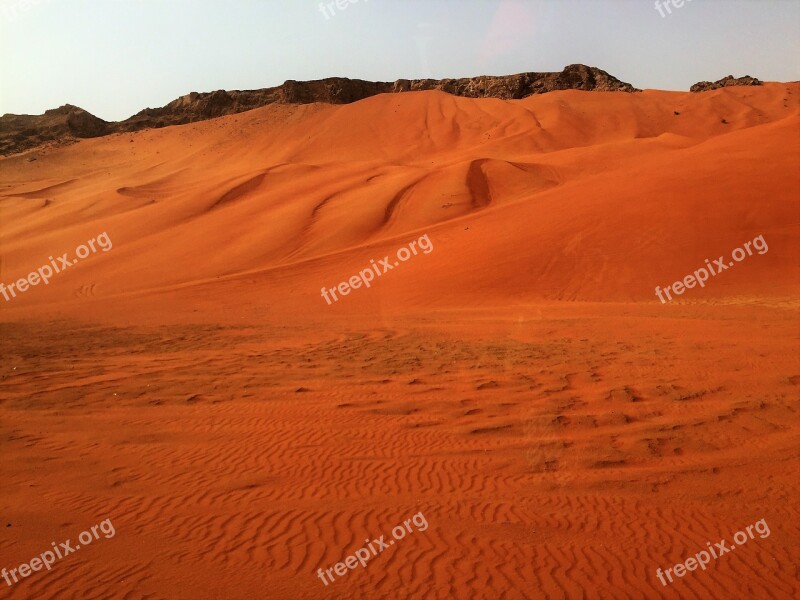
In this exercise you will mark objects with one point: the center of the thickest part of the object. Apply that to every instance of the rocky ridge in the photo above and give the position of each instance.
(730, 80)
(70, 123)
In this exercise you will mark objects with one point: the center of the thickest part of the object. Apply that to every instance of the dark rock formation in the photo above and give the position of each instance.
(340, 90)
(21, 132)
(730, 80)
(573, 77)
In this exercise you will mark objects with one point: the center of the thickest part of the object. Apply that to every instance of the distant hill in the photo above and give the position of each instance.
(68, 123)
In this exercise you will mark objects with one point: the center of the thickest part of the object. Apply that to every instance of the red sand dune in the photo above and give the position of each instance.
(563, 432)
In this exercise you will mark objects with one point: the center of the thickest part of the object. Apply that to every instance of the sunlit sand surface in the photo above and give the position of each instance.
(564, 433)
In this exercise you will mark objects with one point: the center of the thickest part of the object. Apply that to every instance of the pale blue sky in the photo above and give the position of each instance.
(115, 57)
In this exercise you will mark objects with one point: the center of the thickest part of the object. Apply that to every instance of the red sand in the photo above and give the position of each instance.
(563, 432)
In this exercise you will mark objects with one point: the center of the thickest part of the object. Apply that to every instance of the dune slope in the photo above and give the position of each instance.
(571, 195)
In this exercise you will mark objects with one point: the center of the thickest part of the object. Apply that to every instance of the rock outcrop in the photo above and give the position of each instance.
(730, 80)
(340, 90)
(20, 132)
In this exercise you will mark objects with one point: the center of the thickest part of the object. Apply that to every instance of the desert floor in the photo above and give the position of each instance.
(564, 433)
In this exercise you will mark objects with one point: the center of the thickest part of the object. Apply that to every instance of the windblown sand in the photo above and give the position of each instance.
(564, 433)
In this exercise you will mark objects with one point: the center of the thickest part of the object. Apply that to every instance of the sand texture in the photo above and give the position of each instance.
(564, 433)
